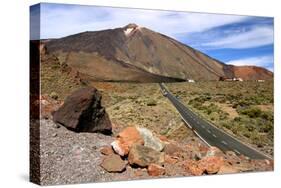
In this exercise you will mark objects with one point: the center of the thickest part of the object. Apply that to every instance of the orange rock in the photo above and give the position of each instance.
(155, 170)
(211, 165)
(106, 150)
(163, 138)
(125, 140)
(192, 167)
(170, 160)
(228, 169)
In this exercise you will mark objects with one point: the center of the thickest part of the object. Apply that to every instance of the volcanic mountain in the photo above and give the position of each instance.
(134, 53)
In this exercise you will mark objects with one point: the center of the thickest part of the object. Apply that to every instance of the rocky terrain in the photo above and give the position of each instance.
(137, 54)
(132, 151)
(125, 131)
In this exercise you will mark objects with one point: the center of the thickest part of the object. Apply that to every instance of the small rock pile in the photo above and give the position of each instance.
(138, 147)
(157, 156)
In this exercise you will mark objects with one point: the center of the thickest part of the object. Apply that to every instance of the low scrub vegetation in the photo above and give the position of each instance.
(252, 103)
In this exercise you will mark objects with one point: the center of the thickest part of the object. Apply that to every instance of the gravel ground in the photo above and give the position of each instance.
(67, 157)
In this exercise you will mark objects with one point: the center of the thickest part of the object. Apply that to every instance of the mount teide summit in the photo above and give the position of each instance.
(134, 53)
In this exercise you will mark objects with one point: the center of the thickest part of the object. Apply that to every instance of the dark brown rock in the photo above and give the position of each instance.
(113, 163)
(143, 156)
(82, 112)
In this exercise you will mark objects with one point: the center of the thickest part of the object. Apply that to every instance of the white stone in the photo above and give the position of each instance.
(116, 147)
(150, 140)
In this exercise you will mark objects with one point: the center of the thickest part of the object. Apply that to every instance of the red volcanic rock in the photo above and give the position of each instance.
(155, 170)
(170, 160)
(82, 112)
(211, 165)
(252, 73)
(262, 164)
(193, 168)
(125, 140)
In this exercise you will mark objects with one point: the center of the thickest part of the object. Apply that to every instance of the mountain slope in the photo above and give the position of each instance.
(251, 72)
(134, 53)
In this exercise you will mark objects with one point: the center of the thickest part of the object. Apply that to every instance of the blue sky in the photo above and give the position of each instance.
(232, 39)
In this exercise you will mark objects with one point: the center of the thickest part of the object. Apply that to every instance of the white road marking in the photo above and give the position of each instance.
(237, 151)
(214, 136)
(224, 142)
(170, 95)
(202, 138)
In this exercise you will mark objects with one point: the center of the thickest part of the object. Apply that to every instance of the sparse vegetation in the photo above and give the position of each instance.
(151, 102)
(252, 103)
(244, 109)
(54, 81)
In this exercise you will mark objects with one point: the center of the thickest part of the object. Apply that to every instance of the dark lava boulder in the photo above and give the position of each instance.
(82, 112)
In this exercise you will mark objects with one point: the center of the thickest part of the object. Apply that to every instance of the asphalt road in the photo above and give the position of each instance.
(210, 134)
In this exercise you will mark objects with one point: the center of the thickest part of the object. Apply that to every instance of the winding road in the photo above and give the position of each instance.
(210, 134)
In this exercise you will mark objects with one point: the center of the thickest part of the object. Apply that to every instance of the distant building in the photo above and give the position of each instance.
(230, 79)
(238, 79)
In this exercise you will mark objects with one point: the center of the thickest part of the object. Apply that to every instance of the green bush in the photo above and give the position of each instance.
(252, 112)
(267, 115)
(258, 139)
(151, 103)
(237, 119)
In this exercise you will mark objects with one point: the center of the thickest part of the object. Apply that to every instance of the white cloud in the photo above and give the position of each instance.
(256, 37)
(262, 61)
(66, 20)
